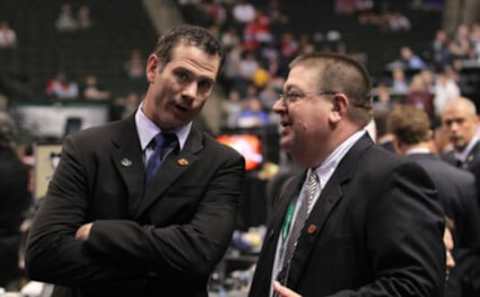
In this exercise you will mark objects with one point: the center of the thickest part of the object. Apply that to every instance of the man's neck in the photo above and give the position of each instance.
(340, 138)
(419, 148)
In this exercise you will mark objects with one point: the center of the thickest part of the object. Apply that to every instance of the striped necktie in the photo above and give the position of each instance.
(306, 200)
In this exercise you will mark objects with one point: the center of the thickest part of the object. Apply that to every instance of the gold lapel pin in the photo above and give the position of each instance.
(126, 162)
(182, 162)
(312, 229)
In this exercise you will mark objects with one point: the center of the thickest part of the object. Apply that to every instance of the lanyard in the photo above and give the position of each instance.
(287, 222)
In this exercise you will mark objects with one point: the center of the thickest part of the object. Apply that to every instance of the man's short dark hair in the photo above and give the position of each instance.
(341, 73)
(409, 124)
(189, 35)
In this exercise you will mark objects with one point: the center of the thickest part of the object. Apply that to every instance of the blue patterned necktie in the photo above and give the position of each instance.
(161, 143)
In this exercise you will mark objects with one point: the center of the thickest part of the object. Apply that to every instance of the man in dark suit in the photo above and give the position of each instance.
(144, 206)
(460, 122)
(459, 119)
(455, 187)
(372, 222)
(14, 200)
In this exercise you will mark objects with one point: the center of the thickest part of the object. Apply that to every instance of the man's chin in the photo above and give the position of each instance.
(460, 147)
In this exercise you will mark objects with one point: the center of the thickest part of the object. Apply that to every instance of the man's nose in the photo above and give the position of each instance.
(279, 106)
(190, 91)
(454, 126)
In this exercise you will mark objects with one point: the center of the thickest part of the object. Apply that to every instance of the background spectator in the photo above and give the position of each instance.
(84, 20)
(135, 66)
(59, 87)
(8, 37)
(92, 90)
(66, 21)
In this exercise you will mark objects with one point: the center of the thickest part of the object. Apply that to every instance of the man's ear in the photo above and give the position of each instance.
(400, 147)
(340, 104)
(153, 63)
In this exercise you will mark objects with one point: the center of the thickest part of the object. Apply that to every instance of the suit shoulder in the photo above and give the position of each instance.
(384, 163)
(457, 172)
(98, 135)
(381, 159)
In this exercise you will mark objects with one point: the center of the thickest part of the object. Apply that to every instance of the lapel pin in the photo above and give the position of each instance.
(312, 229)
(126, 162)
(182, 162)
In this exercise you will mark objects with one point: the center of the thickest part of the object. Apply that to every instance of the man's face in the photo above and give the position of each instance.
(305, 116)
(460, 125)
(179, 89)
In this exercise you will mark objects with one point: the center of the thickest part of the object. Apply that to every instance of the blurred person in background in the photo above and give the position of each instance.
(399, 82)
(135, 65)
(440, 49)
(60, 87)
(461, 46)
(8, 37)
(66, 22)
(410, 60)
(460, 121)
(14, 201)
(92, 91)
(456, 188)
(445, 89)
(420, 96)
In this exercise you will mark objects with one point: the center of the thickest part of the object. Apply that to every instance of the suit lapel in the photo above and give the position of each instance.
(289, 192)
(330, 197)
(127, 158)
(172, 168)
(472, 155)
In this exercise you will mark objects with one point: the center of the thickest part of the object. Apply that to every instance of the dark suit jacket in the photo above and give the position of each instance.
(14, 200)
(376, 230)
(472, 163)
(145, 241)
(473, 158)
(457, 194)
(464, 279)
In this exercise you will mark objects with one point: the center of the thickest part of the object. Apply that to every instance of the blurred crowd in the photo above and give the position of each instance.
(260, 43)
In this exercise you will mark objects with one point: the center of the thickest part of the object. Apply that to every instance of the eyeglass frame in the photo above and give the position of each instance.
(286, 102)
(287, 98)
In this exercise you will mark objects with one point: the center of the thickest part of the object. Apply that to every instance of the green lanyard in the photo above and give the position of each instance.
(287, 222)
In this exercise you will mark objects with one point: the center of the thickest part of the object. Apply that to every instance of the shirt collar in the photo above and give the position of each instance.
(418, 150)
(147, 129)
(462, 156)
(326, 169)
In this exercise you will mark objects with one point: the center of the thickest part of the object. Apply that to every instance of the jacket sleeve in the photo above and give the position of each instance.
(53, 254)
(190, 250)
(404, 238)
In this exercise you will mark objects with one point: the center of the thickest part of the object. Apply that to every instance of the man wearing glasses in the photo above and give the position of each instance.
(359, 221)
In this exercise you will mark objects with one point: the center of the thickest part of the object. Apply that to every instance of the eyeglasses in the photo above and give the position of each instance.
(294, 96)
